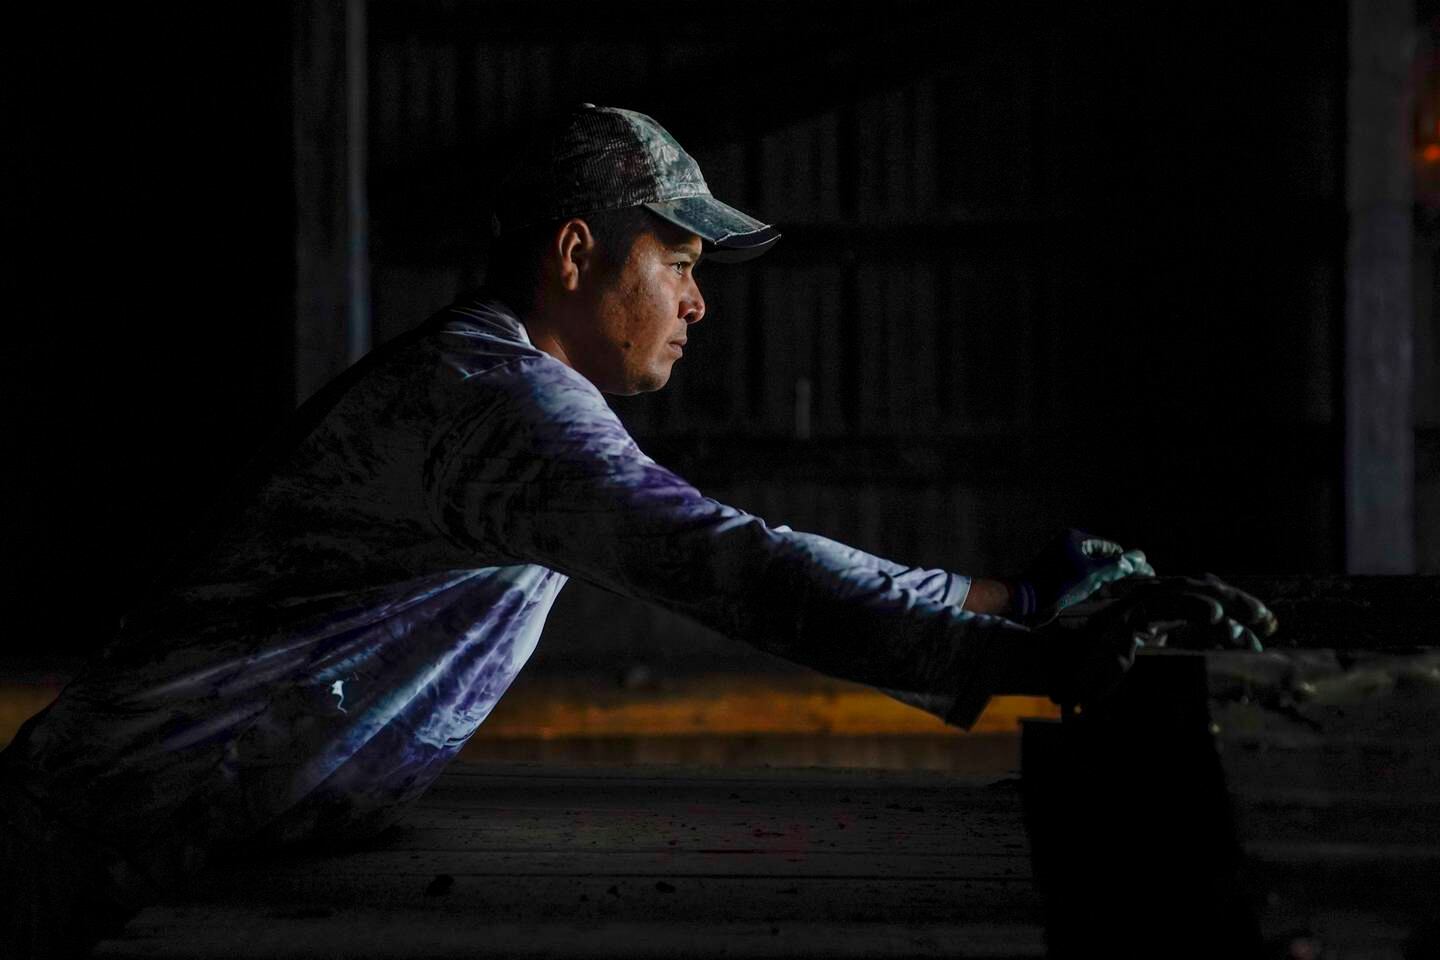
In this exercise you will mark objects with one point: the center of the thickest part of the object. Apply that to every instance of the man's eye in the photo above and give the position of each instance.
(681, 266)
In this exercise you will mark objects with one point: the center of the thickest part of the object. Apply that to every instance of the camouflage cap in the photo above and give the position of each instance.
(605, 158)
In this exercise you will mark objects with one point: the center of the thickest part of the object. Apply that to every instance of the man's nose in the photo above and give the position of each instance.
(692, 307)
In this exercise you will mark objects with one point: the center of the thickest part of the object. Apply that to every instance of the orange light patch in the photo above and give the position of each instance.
(725, 705)
(732, 705)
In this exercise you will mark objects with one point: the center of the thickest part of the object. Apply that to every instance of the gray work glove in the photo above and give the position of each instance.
(1090, 654)
(1071, 568)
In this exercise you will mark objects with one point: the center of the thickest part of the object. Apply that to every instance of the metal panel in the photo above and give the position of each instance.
(1379, 311)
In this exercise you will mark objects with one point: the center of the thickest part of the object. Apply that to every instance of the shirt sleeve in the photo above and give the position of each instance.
(939, 586)
(547, 474)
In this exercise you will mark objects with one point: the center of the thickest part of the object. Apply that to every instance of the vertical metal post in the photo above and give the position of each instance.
(328, 125)
(1379, 470)
(357, 252)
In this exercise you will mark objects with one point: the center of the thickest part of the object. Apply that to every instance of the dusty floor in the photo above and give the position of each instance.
(655, 861)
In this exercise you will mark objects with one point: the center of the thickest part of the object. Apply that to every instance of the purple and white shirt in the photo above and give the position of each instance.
(369, 590)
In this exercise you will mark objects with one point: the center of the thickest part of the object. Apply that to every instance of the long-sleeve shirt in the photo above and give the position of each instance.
(370, 588)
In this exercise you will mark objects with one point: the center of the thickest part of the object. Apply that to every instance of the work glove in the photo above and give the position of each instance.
(1071, 568)
(1091, 655)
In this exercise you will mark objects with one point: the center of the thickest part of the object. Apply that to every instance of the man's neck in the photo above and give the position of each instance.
(547, 342)
(542, 329)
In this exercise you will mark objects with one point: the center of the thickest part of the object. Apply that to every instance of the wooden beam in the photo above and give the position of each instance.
(1379, 457)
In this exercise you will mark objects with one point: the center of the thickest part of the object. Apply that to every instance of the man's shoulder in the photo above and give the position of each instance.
(525, 407)
(478, 333)
(485, 351)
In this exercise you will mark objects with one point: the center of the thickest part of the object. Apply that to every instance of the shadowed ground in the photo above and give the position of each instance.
(546, 860)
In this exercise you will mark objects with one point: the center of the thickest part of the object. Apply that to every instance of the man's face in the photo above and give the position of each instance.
(642, 312)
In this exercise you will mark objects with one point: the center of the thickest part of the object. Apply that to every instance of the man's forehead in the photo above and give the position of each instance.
(690, 244)
(677, 238)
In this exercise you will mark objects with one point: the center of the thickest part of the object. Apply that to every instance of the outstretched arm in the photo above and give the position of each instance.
(550, 476)
(546, 474)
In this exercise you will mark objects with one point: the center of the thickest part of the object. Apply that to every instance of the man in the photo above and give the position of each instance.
(322, 648)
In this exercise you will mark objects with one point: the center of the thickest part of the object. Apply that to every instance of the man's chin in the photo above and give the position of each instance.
(653, 384)
(644, 383)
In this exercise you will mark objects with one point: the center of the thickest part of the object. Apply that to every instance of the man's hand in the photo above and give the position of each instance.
(1091, 656)
(1071, 568)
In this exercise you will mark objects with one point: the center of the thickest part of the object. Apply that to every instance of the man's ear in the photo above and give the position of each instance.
(575, 247)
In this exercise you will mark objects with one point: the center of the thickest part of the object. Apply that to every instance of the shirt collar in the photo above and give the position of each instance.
(489, 309)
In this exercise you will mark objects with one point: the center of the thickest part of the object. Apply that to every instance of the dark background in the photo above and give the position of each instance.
(1042, 266)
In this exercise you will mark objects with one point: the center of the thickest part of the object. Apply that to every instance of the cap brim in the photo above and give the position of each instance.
(729, 236)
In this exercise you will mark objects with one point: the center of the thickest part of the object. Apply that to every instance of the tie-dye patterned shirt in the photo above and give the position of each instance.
(371, 588)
